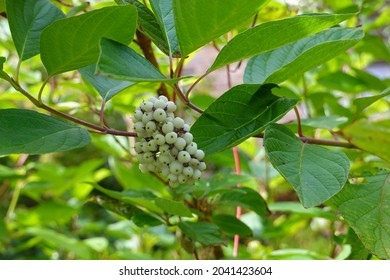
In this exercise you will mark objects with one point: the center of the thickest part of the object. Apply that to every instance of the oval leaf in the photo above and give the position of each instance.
(274, 34)
(296, 58)
(173, 207)
(29, 132)
(232, 225)
(238, 114)
(315, 173)
(73, 43)
(201, 21)
(26, 20)
(205, 233)
(365, 208)
(123, 63)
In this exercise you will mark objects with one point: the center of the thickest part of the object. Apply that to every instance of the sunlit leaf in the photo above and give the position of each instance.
(173, 207)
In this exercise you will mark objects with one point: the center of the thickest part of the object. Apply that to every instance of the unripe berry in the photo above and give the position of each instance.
(175, 167)
(181, 178)
(199, 154)
(197, 174)
(152, 145)
(139, 127)
(148, 116)
(163, 98)
(202, 166)
(183, 157)
(174, 151)
(159, 115)
(188, 171)
(172, 177)
(192, 148)
(159, 138)
(150, 126)
(165, 159)
(138, 115)
(178, 122)
(138, 147)
(164, 149)
(171, 137)
(186, 127)
(167, 127)
(188, 137)
(148, 157)
(147, 106)
(159, 104)
(152, 99)
(171, 107)
(180, 143)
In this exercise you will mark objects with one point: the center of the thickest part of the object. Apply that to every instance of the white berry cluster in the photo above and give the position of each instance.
(164, 143)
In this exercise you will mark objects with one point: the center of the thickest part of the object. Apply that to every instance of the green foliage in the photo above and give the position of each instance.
(70, 182)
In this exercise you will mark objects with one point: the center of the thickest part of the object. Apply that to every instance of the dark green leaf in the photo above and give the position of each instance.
(3, 75)
(343, 82)
(359, 252)
(122, 62)
(241, 112)
(173, 207)
(296, 58)
(232, 225)
(29, 132)
(297, 208)
(73, 43)
(274, 34)
(142, 219)
(365, 207)
(364, 102)
(199, 22)
(26, 20)
(3, 231)
(150, 26)
(205, 233)
(247, 198)
(106, 87)
(371, 136)
(164, 11)
(315, 173)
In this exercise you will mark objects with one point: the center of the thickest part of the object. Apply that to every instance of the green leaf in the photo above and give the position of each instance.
(106, 87)
(199, 22)
(121, 62)
(359, 252)
(364, 102)
(205, 233)
(246, 198)
(150, 26)
(315, 173)
(328, 122)
(297, 208)
(142, 219)
(3, 231)
(26, 20)
(164, 11)
(241, 112)
(73, 43)
(296, 58)
(365, 207)
(371, 136)
(173, 207)
(29, 132)
(274, 34)
(3, 75)
(232, 225)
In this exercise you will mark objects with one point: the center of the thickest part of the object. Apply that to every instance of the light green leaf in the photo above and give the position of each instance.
(364, 102)
(26, 20)
(247, 198)
(328, 122)
(199, 22)
(365, 207)
(122, 62)
(205, 233)
(2, 5)
(106, 87)
(314, 172)
(274, 34)
(73, 43)
(173, 207)
(296, 58)
(232, 225)
(297, 208)
(164, 11)
(29, 132)
(150, 26)
(371, 136)
(241, 112)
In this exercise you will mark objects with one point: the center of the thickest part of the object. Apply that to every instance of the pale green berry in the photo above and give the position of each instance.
(181, 178)
(152, 145)
(152, 99)
(144, 147)
(165, 159)
(183, 157)
(163, 98)
(138, 115)
(138, 147)
(140, 157)
(180, 143)
(143, 168)
(175, 167)
(202, 166)
(159, 115)
(199, 154)
(164, 149)
(194, 163)
(147, 117)
(192, 148)
(160, 139)
(159, 104)
(147, 106)
(150, 126)
(186, 127)
(188, 171)
(197, 174)
(171, 137)
(139, 127)
(172, 177)
(148, 157)
(188, 137)
(165, 171)
(167, 127)
(171, 107)
(178, 122)
(152, 167)
(174, 152)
